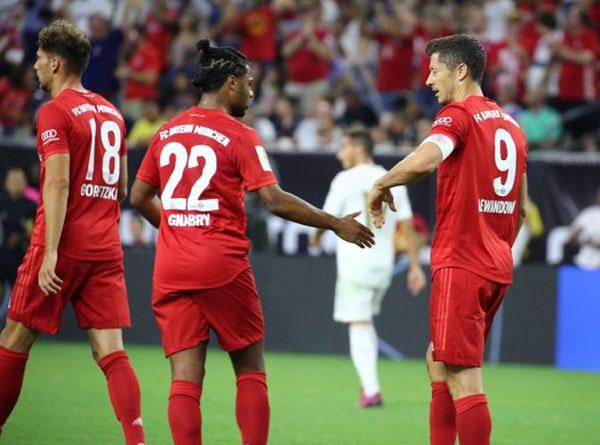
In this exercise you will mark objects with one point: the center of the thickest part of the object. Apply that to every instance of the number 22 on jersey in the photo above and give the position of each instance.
(182, 161)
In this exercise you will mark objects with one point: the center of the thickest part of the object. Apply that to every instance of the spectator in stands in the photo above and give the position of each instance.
(263, 126)
(507, 99)
(586, 235)
(394, 31)
(146, 126)
(106, 42)
(355, 110)
(15, 93)
(433, 23)
(541, 72)
(307, 53)
(161, 25)
(140, 72)
(17, 214)
(137, 236)
(39, 13)
(541, 124)
(577, 55)
(183, 48)
(285, 120)
(318, 132)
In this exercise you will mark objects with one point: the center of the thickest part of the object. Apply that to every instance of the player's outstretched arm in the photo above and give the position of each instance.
(144, 199)
(56, 195)
(288, 206)
(411, 169)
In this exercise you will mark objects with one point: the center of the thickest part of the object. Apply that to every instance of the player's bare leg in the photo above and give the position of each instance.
(123, 387)
(187, 373)
(364, 351)
(252, 400)
(16, 341)
(442, 422)
(473, 422)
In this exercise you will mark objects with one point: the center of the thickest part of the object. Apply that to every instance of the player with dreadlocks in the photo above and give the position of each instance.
(202, 162)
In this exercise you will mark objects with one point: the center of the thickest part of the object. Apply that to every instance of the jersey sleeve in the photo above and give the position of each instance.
(148, 171)
(334, 202)
(451, 121)
(403, 209)
(252, 161)
(53, 129)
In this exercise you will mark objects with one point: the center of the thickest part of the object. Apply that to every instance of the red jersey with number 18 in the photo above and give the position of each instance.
(202, 161)
(92, 131)
(477, 205)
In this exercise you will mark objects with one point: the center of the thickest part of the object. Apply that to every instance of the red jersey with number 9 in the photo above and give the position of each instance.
(477, 204)
(202, 161)
(92, 131)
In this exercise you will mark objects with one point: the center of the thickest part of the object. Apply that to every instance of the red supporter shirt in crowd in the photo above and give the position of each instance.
(577, 82)
(395, 70)
(259, 34)
(202, 161)
(92, 131)
(305, 66)
(145, 58)
(13, 101)
(160, 33)
(477, 205)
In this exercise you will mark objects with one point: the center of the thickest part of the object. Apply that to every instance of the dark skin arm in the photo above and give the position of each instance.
(143, 198)
(278, 202)
(290, 207)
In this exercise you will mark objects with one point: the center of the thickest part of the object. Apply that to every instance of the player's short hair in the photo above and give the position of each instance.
(362, 137)
(460, 48)
(216, 65)
(63, 39)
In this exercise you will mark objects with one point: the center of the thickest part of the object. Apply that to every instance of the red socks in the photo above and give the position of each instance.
(442, 425)
(184, 412)
(124, 391)
(12, 369)
(252, 407)
(473, 421)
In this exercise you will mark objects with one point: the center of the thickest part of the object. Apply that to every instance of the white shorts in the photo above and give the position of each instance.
(356, 302)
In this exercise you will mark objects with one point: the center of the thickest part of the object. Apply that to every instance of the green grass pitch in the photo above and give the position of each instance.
(64, 401)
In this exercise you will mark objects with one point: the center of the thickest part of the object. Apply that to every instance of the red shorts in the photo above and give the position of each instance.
(232, 311)
(461, 311)
(95, 288)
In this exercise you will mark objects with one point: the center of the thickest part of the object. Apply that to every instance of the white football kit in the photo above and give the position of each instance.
(363, 275)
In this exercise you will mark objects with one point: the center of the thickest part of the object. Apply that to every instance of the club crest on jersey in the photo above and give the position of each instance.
(445, 120)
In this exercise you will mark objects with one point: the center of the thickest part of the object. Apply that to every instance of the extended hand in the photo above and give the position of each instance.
(48, 281)
(377, 196)
(415, 280)
(354, 232)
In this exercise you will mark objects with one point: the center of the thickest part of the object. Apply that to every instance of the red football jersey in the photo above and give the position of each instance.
(477, 205)
(202, 161)
(92, 131)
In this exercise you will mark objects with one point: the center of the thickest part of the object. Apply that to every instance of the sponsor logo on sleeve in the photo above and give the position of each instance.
(49, 136)
(444, 120)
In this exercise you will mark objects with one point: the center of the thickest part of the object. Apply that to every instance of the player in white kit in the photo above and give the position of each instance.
(363, 276)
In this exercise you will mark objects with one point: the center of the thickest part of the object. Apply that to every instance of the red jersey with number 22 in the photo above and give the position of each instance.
(92, 131)
(477, 205)
(202, 161)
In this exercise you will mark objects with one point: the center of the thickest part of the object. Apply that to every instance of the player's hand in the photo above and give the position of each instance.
(354, 232)
(48, 281)
(415, 280)
(375, 200)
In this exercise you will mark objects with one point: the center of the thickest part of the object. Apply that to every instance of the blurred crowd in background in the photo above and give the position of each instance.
(320, 66)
